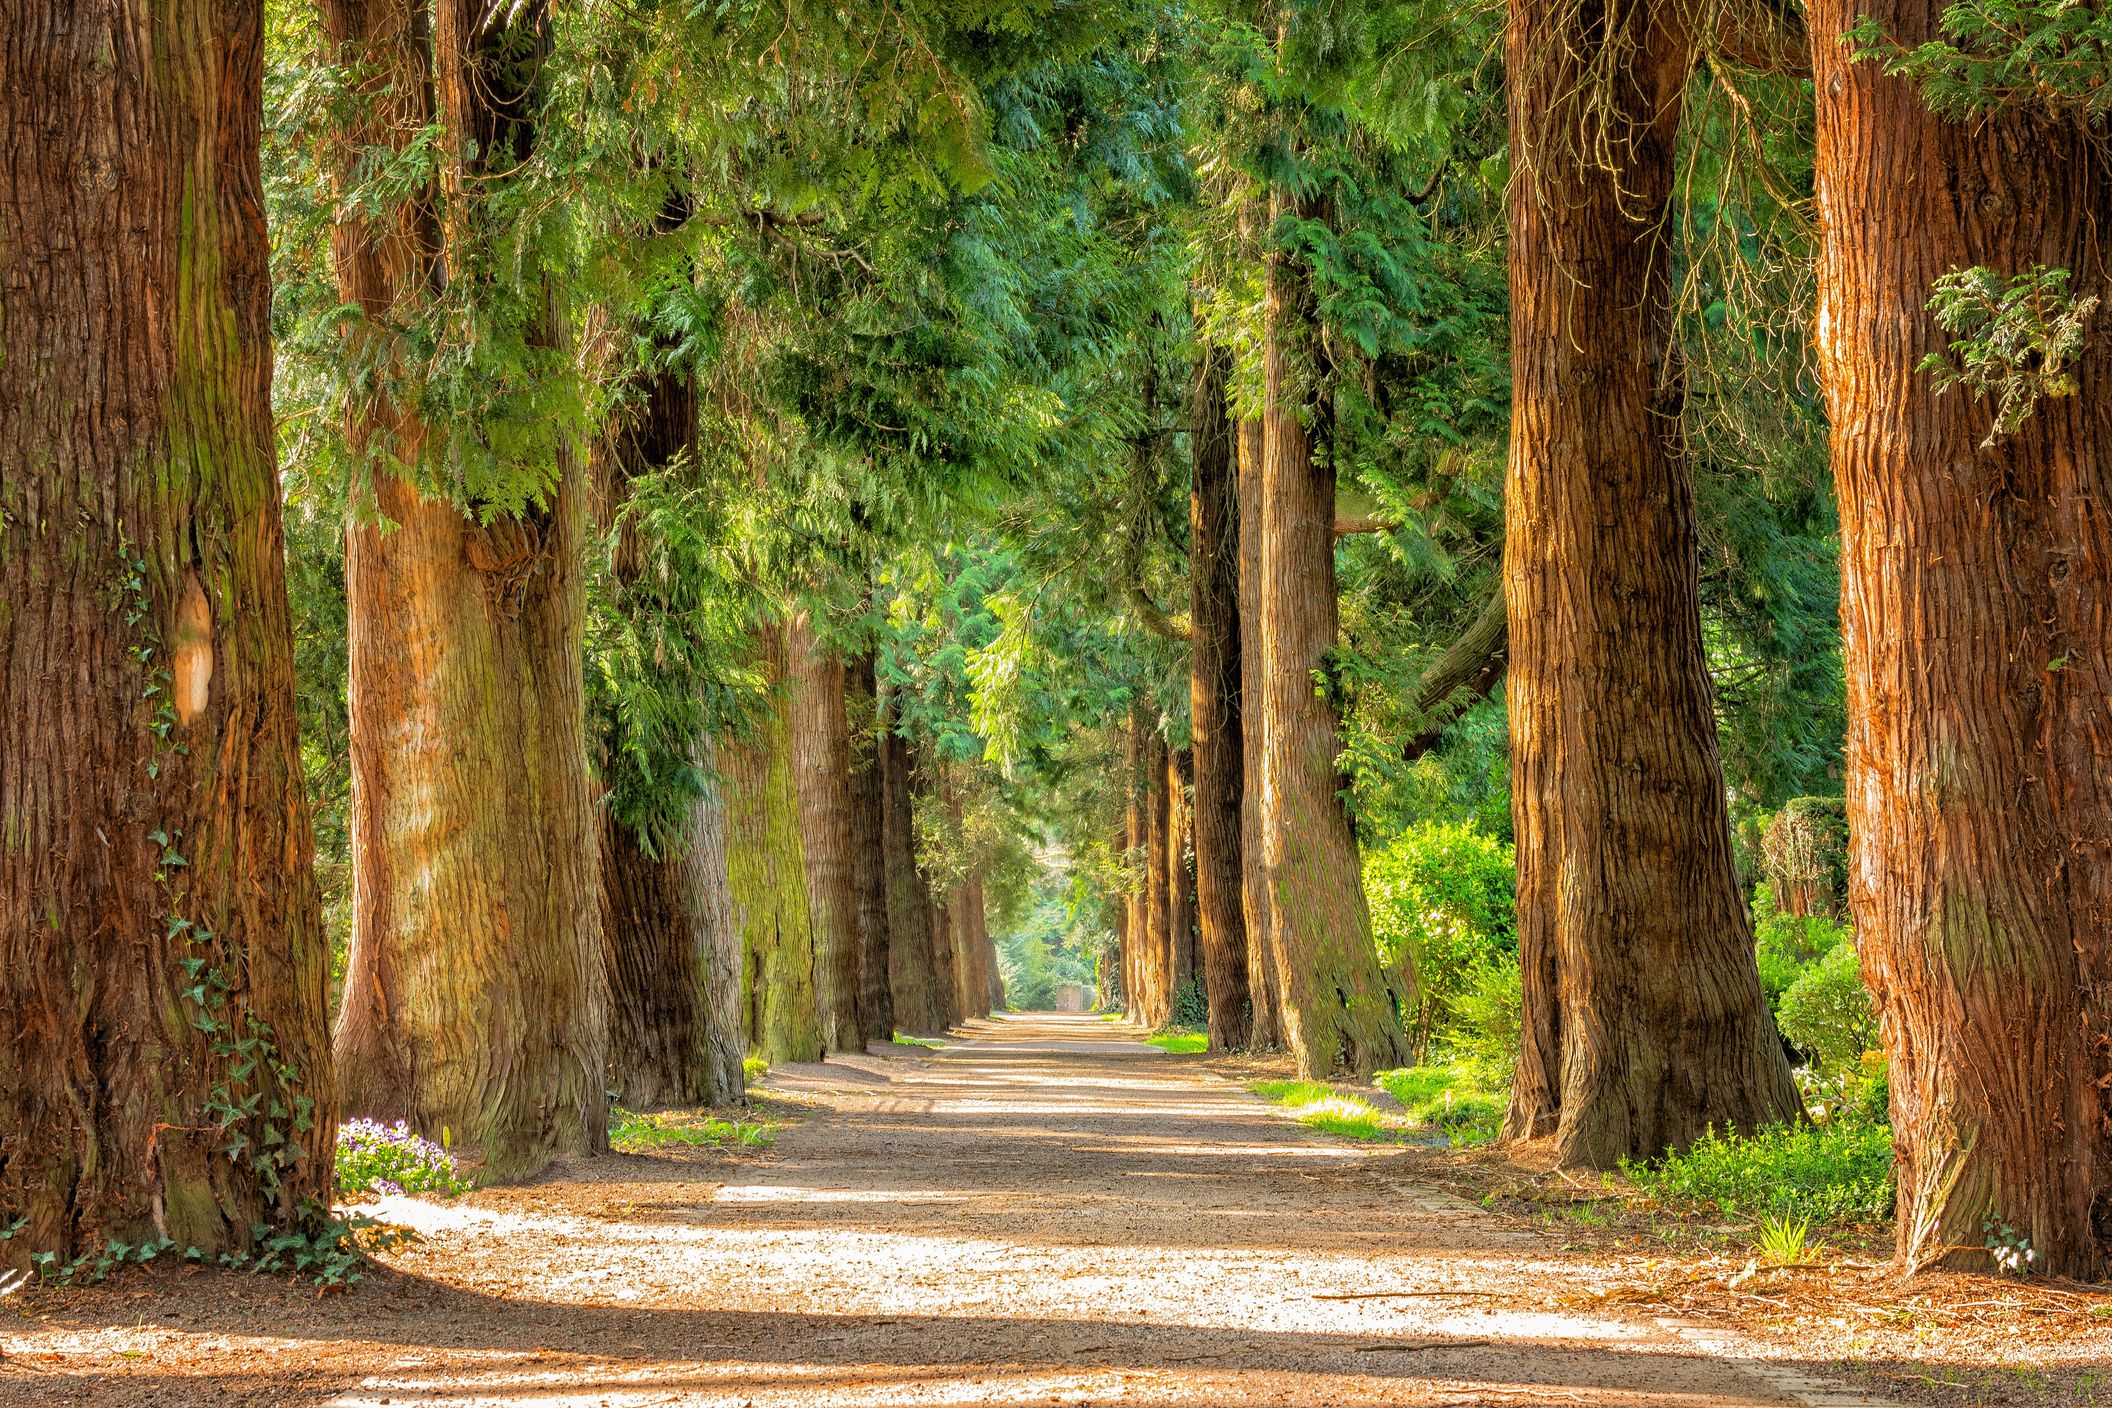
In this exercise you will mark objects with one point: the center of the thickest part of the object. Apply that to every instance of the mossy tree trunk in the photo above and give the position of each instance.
(1974, 592)
(475, 996)
(1213, 696)
(869, 850)
(766, 872)
(1644, 1021)
(916, 1004)
(821, 747)
(146, 653)
(1336, 1013)
(1264, 986)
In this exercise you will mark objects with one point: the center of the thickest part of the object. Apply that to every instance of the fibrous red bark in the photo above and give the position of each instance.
(164, 1062)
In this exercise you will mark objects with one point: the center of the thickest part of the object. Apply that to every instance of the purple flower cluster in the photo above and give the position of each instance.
(381, 1160)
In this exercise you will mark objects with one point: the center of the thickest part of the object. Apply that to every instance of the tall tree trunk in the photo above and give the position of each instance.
(1337, 1012)
(1973, 625)
(1180, 878)
(908, 917)
(766, 872)
(1264, 986)
(868, 850)
(1213, 696)
(475, 996)
(666, 918)
(1643, 1020)
(146, 653)
(1158, 890)
(821, 748)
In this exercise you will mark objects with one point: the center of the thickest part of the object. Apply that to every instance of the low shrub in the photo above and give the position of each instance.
(1839, 1172)
(381, 1159)
(1442, 903)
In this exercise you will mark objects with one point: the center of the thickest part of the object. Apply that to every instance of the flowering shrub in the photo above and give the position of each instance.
(382, 1159)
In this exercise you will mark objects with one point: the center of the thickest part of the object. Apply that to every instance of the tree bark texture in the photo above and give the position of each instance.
(1974, 589)
(1180, 872)
(146, 653)
(1337, 1012)
(868, 850)
(1264, 986)
(821, 749)
(1213, 697)
(1644, 1021)
(917, 1009)
(1158, 889)
(766, 872)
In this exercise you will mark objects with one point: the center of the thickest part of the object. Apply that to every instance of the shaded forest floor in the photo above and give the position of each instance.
(1047, 1212)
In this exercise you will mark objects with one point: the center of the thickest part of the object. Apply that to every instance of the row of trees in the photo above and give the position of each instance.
(736, 491)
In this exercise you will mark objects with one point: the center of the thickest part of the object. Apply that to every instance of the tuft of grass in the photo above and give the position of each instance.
(1180, 1043)
(692, 1129)
(1830, 1173)
(1322, 1107)
(1786, 1241)
(1458, 1097)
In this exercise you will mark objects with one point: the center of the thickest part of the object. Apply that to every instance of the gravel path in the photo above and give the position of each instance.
(1044, 1212)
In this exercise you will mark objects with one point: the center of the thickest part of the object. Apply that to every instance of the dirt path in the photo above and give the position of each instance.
(1046, 1212)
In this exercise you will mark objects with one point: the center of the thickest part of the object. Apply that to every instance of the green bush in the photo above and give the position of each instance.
(1840, 1172)
(1442, 905)
(1827, 1011)
(1788, 944)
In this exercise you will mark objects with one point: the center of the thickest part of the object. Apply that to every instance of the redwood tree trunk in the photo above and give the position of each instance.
(146, 653)
(1180, 878)
(766, 873)
(1337, 1012)
(821, 747)
(1644, 1021)
(908, 917)
(1213, 696)
(868, 850)
(1974, 589)
(475, 997)
(1158, 891)
(1264, 987)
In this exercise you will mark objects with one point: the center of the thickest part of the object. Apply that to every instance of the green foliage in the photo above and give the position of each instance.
(1322, 1107)
(1997, 55)
(1442, 904)
(1464, 1097)
(1832, 1173)
(632, 1133)
(2020, 336)
(1828, 1012)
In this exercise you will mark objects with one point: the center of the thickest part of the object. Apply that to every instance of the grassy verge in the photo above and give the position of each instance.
(1321, 1106)
(1178, 1041)
(635, 1133)
(1828, 1173)
(1458, 1097)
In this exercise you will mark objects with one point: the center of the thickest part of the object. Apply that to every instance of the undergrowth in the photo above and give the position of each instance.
(1830, 1173)
(1322, 1107)
(1457, 1096)
(690, 1128)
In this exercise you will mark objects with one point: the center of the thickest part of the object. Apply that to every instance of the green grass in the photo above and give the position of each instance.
(1322, 1107)
(632, 1133)
(1829, 1173)
(1179, 1042)
(1455, 1096)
